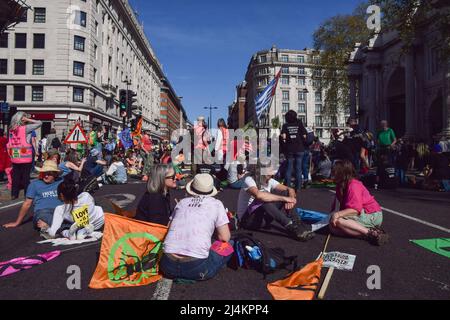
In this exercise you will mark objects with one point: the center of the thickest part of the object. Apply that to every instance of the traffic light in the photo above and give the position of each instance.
(123, 103)
(130, 104)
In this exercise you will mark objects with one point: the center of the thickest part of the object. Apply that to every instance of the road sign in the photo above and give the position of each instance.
(76, 135)
(339, 260)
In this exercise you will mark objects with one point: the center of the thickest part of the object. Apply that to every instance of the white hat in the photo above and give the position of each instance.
(202, 185)
(201, 118)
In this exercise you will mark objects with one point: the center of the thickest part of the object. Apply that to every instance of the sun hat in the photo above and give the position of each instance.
(202, 185)
(49, 166)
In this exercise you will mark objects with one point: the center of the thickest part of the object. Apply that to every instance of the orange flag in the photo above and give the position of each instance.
(300, 285)
(130, 253)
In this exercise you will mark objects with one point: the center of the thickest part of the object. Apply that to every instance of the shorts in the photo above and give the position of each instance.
(368, 220)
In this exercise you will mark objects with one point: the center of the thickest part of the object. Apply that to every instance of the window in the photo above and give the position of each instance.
(319, 133)
(19, 93)
(301, 71)
(38, 67)
(262, 59)
(284, 58)
(37, 93)
(316, 59)
(285, 70)
(4, 40)
(21, 40)
(317, 73)
(39, 40)
(302, 119)
(285, 107)
(318, 96)
(20, 66)
(39, 15)
(285, 95)
(319, 121)
(78, 94)
(301, 108)
(285, 80)
(78, 69)
(78, 43)
(3, 94)
(317, 83)
(301, 96)
(96, 28)
(318, 108)
(95, 51)
(80, 18)
(334, 122)
(301, 81)
(301, 59)
(3, 66)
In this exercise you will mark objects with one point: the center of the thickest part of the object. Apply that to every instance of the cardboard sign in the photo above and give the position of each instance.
(76, 135)
(339, 260)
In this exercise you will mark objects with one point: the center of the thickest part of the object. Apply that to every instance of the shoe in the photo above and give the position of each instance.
(73, 231)
(299, 231)
(377, 237)
(46, 236)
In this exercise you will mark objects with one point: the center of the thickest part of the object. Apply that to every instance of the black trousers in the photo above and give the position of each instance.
(20, 178)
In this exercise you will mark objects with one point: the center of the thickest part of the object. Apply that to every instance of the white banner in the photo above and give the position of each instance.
(339, 260)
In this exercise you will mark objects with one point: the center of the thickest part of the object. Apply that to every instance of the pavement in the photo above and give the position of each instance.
(407, 271)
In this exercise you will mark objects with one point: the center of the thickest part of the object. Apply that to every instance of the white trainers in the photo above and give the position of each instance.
(73, 231)
(85, 232)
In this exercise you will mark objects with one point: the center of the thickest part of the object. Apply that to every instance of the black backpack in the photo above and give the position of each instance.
(272, 259)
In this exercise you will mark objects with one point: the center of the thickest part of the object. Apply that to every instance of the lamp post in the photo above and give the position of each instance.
(210, 114)
(305, 91)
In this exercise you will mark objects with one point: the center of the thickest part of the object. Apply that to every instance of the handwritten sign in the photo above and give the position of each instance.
(81, 216)
(339, 260)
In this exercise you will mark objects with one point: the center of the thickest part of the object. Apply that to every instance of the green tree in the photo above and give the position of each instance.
(334, 40)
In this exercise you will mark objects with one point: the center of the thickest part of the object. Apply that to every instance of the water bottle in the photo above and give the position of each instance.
(253, 252)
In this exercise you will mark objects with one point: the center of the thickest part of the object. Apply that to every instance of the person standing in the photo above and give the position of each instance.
(221, 141)
(293, 135)
(20, 151)
(386, 140)
(201, 142)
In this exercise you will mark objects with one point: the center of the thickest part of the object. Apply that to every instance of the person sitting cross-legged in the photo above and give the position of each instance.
(188, 252)
(263, 199)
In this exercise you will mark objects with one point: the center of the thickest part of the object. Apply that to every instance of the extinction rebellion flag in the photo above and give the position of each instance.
(130, 253)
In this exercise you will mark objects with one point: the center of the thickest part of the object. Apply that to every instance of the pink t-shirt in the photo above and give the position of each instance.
(359, 198)
(194, 221)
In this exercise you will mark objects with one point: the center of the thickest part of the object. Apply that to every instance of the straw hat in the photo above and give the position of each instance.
(49, 166)
(202, 185)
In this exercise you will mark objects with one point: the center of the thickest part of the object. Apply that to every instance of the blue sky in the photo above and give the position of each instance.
(206, 46)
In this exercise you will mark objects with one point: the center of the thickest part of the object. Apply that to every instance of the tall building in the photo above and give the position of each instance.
(173, 116)
(298, 89)
(236, 112)
(67, 60)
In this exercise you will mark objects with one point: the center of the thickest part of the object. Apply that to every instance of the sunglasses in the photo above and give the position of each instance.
(172, 177)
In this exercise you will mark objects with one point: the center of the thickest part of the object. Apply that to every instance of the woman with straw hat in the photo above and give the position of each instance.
(188, 250)
(42, 195)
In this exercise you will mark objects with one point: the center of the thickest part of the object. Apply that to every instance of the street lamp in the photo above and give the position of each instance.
(210, 114)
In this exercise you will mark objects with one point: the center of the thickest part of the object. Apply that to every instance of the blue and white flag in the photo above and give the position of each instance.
(262, 102)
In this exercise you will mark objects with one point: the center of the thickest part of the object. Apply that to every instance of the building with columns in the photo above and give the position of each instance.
(298, 89)
(409, 89)
(67, 60)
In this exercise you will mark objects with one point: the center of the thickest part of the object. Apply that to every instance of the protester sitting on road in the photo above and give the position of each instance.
(71, 163)
(42, 195)
(386, 177)
(154, 205)
(259, 203)
(323, 167)
(93, 165)
(188, 252)
(132, 163)
(20, 151)
(116, 174)
(236, 172)
(77, 218)
(360, 215)
(439, 174)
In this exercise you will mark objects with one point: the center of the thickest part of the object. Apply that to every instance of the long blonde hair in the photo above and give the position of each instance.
(422, 150)
(16, 121)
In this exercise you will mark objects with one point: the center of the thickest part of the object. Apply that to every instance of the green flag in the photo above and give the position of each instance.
(440, 246)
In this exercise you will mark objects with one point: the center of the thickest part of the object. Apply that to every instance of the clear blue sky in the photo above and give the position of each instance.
(205, 45)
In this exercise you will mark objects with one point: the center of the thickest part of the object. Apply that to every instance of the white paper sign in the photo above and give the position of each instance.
(339, 260)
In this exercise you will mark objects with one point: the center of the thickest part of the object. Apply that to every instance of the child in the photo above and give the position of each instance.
(77, 218)
(360, 215)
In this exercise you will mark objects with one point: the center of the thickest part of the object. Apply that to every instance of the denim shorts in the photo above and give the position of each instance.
(45, 215)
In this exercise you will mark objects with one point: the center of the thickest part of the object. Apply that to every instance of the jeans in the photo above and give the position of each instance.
(237, 184)
(266, 213)
(45, 215)
(97, 170)
(400, 174)
(296, 157)
(196, 269)
(446, 185)
(305, 165)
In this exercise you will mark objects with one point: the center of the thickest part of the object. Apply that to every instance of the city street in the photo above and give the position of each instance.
(407, 271)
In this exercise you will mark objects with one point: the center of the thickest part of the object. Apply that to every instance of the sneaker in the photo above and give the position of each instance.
(377, 237)
(73, 232)
(85, 232)
(46, 236)
(299, 231)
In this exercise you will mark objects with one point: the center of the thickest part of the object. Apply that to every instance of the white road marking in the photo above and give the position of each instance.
(163, 289)
(426, 223)
(11, 205)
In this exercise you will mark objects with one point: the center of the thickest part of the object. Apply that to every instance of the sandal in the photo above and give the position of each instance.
(377, 236)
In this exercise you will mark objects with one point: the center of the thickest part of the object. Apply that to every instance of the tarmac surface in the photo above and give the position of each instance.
(407, 271)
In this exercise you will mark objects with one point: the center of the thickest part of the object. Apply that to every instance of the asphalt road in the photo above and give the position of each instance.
(407, 271)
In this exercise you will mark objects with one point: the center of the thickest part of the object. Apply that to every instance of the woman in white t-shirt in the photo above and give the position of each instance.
(77, 218)
(188, 250)
(263, 199)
